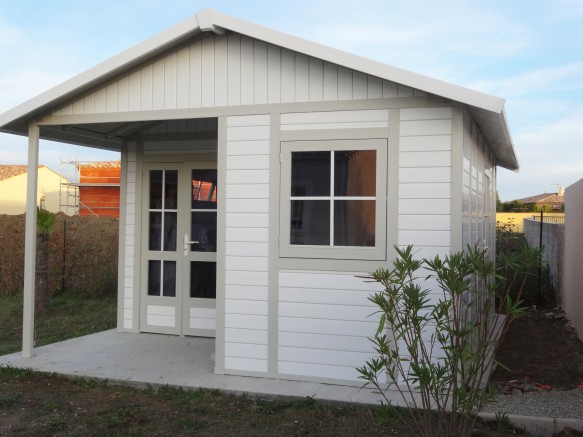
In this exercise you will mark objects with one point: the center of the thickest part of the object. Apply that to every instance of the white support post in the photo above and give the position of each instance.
(30, 243)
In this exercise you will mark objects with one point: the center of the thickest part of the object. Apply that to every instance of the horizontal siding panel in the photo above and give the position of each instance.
(246, 321)
(322, 356)
(158, 320)
(248, 120)
(247, 205)
(422, 252)
(424, 127)
(257, 235)
(332, 327)
(335, 117)
(245, 364)
(425, 191)
(240, 350)
(425, 143)
(249, 292)
(246, 278)
(248, 220)
(202, 323)
(424, 238)
(319, 295)
(247, 249)
(247, 133)
(204, 313)
(160, 310)
(425, 206)
(425, 174)
(248, 191)
(424, 159)
(319, 371)
(323, 341)
(326, 311)
(425, 222)
(257, 264)
(425, 113)
(254, 147)
(247, 177)
(248, 162)
(331, 281)
(233, 306)
(313, 126)
(249, 336)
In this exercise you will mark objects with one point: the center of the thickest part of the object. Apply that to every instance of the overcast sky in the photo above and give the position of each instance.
(528, 52)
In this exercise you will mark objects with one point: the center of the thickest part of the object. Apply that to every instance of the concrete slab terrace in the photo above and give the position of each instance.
(159, 360)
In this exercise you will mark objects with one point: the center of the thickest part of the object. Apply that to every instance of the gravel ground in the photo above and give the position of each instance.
(567, 404)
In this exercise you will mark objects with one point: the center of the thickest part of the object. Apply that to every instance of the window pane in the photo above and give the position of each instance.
(355, 173)
(204, 230)
(310, 174)
(354, 223)
(154, 271)
(203, 277)
(155, 231)
(156, 189)
(310, 222)
(170, 231)
(204, 189)
(171, 189)
(169, 287)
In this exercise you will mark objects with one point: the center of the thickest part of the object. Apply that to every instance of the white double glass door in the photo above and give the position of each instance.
(179, 240)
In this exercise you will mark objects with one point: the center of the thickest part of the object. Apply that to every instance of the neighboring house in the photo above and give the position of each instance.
(552, 201)
(262, 174)
(13, 189)
(99, 188)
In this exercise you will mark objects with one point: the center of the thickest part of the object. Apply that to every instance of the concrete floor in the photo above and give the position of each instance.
(156, 359)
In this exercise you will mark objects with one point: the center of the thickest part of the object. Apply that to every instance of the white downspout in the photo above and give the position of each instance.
(30, 243)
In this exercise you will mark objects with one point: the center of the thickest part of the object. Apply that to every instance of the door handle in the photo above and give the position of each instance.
(187, 244)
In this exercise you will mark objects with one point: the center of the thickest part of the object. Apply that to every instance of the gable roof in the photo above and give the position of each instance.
(545, 198)
(9, 171)
(488, 110)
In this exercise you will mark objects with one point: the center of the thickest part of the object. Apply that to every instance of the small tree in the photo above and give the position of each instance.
(437, 347)
(45, 222)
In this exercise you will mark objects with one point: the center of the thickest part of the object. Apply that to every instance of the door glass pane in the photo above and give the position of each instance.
(204, 230)
(204, 189)
(169, 283)
(171, 189)
(156, 189)
(154, 275)
(170, 231)
(310, 222)
(354, 223)
(355, 172)
(155, 231)
(203, 277)
(310, 174)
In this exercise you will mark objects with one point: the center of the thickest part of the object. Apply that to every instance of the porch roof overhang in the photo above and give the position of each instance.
(488, 110)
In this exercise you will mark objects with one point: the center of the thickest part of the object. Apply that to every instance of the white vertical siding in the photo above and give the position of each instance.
(247, 241)
(130, 239)
(231, 70)
(478, 188)
(325, 320)
(425, 179)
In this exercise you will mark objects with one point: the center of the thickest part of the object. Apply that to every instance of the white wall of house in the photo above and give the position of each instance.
(13, 197)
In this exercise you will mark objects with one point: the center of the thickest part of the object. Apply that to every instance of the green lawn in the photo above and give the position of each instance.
(69, 316)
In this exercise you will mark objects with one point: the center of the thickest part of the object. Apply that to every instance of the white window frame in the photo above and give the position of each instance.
(376, 252)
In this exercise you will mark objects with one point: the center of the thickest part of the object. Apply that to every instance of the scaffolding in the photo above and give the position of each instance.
(69, 199)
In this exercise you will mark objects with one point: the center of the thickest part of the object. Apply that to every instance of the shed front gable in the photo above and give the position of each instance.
(212, 71)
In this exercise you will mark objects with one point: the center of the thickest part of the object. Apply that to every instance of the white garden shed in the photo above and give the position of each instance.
(261, 175)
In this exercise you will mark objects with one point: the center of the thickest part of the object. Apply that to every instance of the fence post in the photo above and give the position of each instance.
(64, 254)
(540, 261)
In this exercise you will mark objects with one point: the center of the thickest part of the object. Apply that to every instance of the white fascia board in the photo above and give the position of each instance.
(104, 70)
(358, 63)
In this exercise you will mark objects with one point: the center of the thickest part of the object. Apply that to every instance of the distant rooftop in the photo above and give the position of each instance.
(557, 198)
(9, 171)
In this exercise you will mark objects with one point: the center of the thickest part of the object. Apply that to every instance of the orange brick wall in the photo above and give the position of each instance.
(103, 201)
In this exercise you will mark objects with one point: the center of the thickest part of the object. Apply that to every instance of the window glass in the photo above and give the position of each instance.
(310, 174)
(204, 189)
(354, 223)
(203, 277)
(203, 229)
(310, 222)
(170, 189)
(170, 231)
(355, 172)
(156, 189)
(155, 231)
(154, 273)
(169, 283)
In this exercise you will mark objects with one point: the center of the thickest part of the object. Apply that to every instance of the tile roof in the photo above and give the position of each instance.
(547, 198)
(100, 164)
(9, 171)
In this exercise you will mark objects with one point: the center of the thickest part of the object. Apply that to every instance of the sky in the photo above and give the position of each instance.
(529, 52)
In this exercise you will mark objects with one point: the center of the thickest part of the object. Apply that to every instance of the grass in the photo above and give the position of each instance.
(69, 316)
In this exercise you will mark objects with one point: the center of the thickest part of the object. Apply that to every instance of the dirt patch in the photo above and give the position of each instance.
(543, 348)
